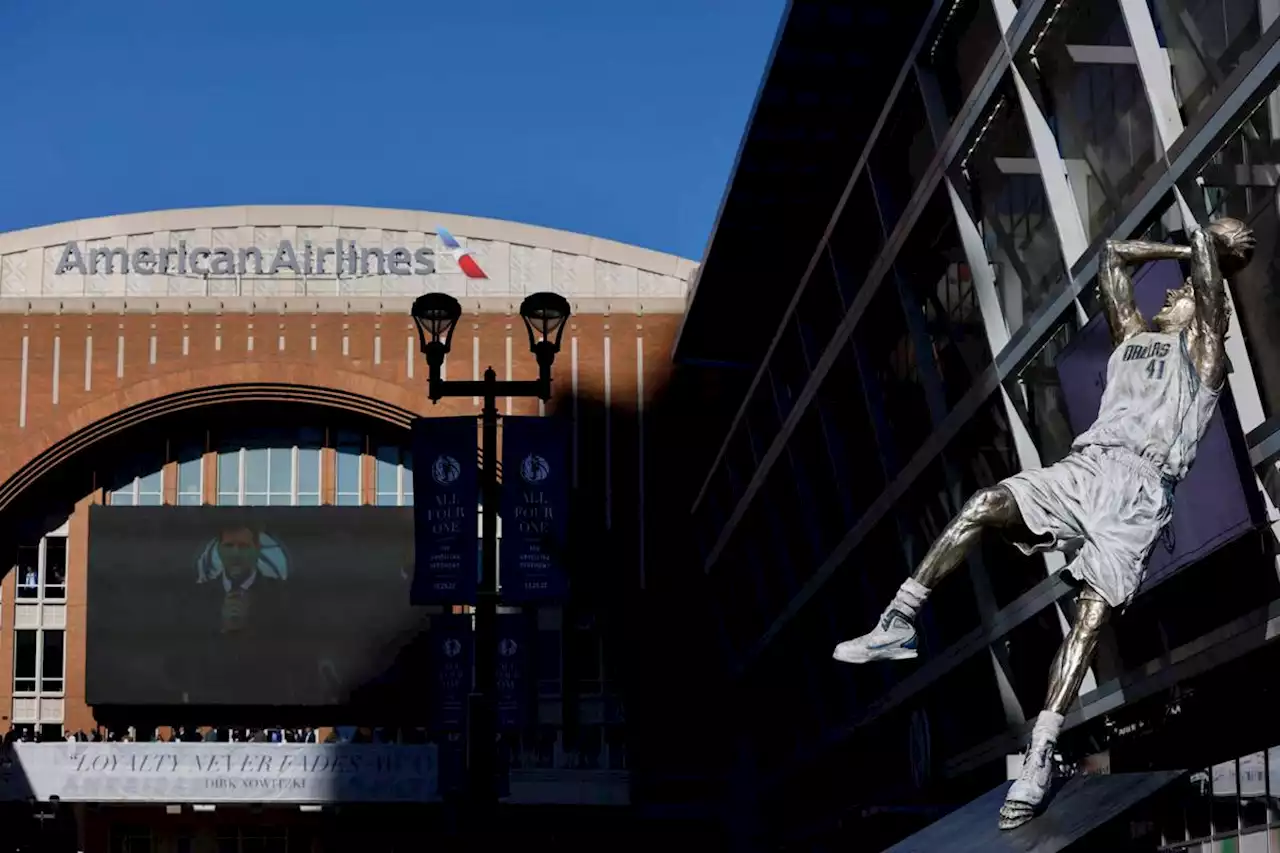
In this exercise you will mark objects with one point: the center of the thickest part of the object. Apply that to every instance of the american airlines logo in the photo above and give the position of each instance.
(345, 258)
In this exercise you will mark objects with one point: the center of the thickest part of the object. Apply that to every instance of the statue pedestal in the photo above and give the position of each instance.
(1079, 807)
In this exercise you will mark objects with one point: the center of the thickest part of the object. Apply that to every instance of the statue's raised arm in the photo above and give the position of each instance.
(1217, 252)
(1115, 286)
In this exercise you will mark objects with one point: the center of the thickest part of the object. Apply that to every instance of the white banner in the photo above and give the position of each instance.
(220, 772)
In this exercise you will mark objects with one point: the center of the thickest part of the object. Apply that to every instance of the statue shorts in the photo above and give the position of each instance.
(1110, 502)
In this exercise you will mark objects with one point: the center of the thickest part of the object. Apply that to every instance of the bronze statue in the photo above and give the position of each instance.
(1113, 494)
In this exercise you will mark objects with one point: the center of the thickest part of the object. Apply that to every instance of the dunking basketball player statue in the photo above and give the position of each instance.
(1113, 494)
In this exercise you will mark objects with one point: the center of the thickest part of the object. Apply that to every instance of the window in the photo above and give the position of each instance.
(25, 645)
(28, 571)
(347, 470)
(901, 155)
(308, 462)
(1084, 75)
(959, 50)
(1011, 208)
(1205, 40)
(55, 567)
(191, 477)
(285, 472)
(147, 490)
(394, 476)
(53, 661)
(229, 478)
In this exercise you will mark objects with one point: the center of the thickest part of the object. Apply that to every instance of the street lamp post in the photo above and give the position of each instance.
(436, 316)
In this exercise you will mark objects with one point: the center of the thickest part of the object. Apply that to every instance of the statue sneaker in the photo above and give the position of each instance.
(893, 639)
(1026, 795)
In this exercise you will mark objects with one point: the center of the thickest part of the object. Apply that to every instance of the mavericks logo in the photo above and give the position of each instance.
(445, 470)
(534, 469)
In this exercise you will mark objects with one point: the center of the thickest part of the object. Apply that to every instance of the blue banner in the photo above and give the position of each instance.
(446, 496)
(513, 685)
(452, 646)
(535, 501)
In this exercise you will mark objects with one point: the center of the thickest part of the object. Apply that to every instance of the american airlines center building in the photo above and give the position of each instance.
(265, 356)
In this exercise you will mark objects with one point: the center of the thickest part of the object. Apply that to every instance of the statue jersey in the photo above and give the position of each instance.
(1154, 404)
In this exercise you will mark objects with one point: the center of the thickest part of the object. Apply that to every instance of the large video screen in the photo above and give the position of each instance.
(249, 605)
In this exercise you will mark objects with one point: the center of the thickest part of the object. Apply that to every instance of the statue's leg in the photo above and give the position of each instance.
(1065, 676)
(894, 637)
(993, 507)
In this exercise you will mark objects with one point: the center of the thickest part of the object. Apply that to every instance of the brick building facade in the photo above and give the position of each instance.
(86, 364)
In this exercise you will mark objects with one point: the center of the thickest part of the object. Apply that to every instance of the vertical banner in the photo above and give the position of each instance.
(446, 495)
(1212, 506)
(452, 642)
(535, 501)
(513, 684)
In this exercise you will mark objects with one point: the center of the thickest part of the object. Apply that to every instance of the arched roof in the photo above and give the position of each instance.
(516, 258)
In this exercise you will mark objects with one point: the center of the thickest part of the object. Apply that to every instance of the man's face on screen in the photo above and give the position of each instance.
(239, 552)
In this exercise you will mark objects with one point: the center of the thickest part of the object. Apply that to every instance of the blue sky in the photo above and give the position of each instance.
(619, 118)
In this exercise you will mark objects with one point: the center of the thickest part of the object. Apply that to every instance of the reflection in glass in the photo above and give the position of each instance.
(855, 241)
(958, 51)
(1225, 810)
(1204, 40)
(1253, 790)
(1009, 201)
(901, 155)
(1084, 75)
(1240, 181)
(941, 295)
(1039, 399)
(55, 567)
(891, 379)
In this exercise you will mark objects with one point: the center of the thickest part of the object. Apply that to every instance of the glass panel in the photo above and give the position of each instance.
(1043, 408)
(901, 155)
(1225, 813)
(229, 477)
(308, 471)
(788, 369)
(891, 377)
(256, 470)
(1012, 210)
(1273, 784)
(308, 500)
(820, 311)
(190, 500)
(856, 241)
(846, 421)
(123, 496)
(959, 50)
(1240, 181)
(1199, 797)
(942, 299)
(272, 500)
(28, 571)
(1085, 78)
(190, 478)
(52, 662)
(1205, 40)
(348, 469)
(259, 499)
(280, 470)
(406, 483)
(1253, 791)
(387, 475)
(24, 661)
(55, 567)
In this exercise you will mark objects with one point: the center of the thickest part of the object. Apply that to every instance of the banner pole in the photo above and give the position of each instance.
(482, 740)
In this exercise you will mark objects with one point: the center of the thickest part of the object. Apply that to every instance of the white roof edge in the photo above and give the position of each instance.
(480, 228)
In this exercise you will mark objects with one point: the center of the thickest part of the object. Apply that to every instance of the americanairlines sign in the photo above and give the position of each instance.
(343, 259)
